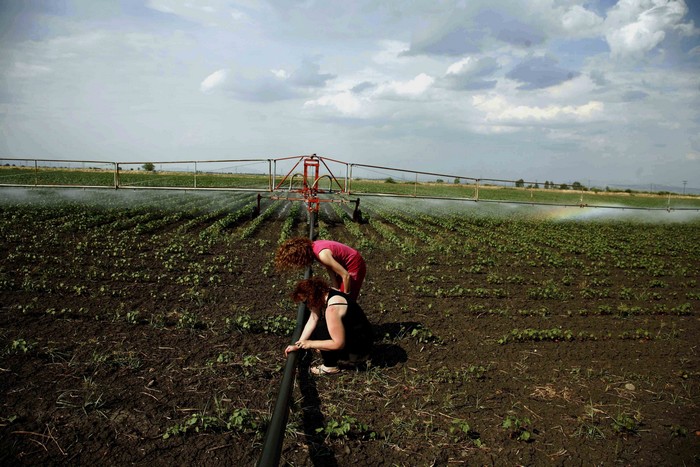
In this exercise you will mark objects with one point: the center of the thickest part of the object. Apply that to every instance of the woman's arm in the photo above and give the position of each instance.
(336, 330)
(305, 333)
(310, 326)
(335, 269)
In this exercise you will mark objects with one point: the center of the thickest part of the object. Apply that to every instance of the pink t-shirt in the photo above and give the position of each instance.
(348, 257)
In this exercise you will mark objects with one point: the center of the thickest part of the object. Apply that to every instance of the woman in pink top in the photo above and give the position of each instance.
(345, 265)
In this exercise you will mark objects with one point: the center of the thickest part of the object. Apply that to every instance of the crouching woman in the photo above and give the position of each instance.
(337, 326)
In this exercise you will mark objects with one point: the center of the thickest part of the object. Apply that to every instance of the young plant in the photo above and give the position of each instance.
(20, 345)
(460, 428)
(344, 428)
(626, 424)
(239, 420)
(518, 428)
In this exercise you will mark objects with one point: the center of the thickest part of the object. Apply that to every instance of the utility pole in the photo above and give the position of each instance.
(684, 183)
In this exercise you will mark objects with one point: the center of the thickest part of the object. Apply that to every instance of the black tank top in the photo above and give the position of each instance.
(358, 329)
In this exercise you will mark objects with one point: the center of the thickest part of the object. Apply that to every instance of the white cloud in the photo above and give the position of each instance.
(412, 88)
(213, 81)
(29, 70)
(573, 90)
(211, 13)
(281, 74)
(634, 40)
(390, 53)
(343, 102)
(238, 15)
(498, 109)
(635, 27)
(355, 82)
(463, 66)
(579, 22)
(352, 104)
(687, 29)
(471, 73)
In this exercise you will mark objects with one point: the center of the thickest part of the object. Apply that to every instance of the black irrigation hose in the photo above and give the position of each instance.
(272, 446)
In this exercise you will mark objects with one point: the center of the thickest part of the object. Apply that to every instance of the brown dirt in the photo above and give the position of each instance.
(94, 385)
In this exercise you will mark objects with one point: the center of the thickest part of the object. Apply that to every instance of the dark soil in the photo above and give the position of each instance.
(86, 380)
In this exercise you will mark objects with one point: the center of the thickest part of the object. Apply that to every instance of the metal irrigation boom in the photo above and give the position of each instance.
(28, 172)
(309, 192)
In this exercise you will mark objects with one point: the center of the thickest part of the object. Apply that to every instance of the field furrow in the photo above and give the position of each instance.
(138, 325)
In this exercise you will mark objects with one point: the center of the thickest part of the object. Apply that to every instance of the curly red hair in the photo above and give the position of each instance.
(312, 292)
(295, 253)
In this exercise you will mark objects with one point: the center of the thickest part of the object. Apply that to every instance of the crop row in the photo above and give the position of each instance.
(494, 328)
(176, 239)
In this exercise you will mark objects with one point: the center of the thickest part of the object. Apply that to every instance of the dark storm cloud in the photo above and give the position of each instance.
(364, 86)
(598, 77)
(473, 75)
(467, 36)
(469, 85)
(509, 30)
(269, 88)
(540, 73)
(453, 42)
(309, 75)
(18, 19)
(632, 96)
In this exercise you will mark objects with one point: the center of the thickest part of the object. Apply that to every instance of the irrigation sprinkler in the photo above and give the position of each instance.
(309, 192)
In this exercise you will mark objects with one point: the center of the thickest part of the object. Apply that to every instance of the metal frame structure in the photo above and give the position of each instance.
(310, 192)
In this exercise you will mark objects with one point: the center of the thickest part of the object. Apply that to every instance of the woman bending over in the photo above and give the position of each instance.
(337, 326)
(344, 264)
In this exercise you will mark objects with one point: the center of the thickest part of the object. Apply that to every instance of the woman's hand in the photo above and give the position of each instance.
(302, 344)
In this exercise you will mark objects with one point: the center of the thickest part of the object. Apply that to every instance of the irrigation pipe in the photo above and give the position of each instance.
(272, 446)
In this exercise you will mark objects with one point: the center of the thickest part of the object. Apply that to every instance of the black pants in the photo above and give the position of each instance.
(357, 348)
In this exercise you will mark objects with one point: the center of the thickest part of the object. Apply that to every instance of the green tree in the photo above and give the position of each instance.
(149, 167)
(520, 183)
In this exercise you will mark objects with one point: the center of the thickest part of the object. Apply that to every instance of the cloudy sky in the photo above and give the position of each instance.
(597, 91)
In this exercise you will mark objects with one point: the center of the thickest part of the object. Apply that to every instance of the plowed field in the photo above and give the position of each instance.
(149, 329)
